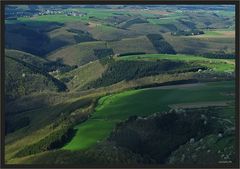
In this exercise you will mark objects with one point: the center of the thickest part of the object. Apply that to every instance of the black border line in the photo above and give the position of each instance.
(237, 79)
(117, 2)
(2, 76)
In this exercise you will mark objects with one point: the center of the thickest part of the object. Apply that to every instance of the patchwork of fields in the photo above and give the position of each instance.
(119, 84)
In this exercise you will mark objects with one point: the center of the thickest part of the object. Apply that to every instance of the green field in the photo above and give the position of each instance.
(216, 33)
(100, 14)
(219, 65)
(61, 18)
(53, 18)
(118, 107)
(227, 33)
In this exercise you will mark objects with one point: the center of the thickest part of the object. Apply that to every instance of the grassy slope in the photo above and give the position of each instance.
(215, 64)
(104, 32)
(41, 63)
(76, 79)
(145, 28)
(202, 43)
(83, 75)
(75, 55)
(40, 38)
(138, 44)
(41, 124)
(114, 108)
(167, 19)
(62, 34)
(26, 57)
(83, 53)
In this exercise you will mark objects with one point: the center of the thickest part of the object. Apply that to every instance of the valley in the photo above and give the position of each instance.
(120, 84)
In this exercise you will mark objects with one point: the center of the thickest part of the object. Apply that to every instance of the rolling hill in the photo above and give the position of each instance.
(78, 78)
(81, 53)
(139, 44)
(119, 84)
(23, 78)
(41, 41)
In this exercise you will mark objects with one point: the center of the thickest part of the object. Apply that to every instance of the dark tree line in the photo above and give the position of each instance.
(160, 44)
(12, 125)
(187, 33)
(158, 135)
(129, 70)
(128, 23)
(101, 53)
(131, 53)
(53, 141)
(219, 55)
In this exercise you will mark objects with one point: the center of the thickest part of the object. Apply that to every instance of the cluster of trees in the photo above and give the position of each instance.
(53, 141)
(128, 70)
(187, 23)
(23, 78)
(17, 85)
(101, 53)
(131, 53)
(116, 19)
(35, 40)
(187, 33)
(106, 154)
(62, 128)
(82, 36)
(160, 44)
(15, 124)
(128, 23)
(214, 76)
(56, 65)
(219, 55)
(160, 134)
